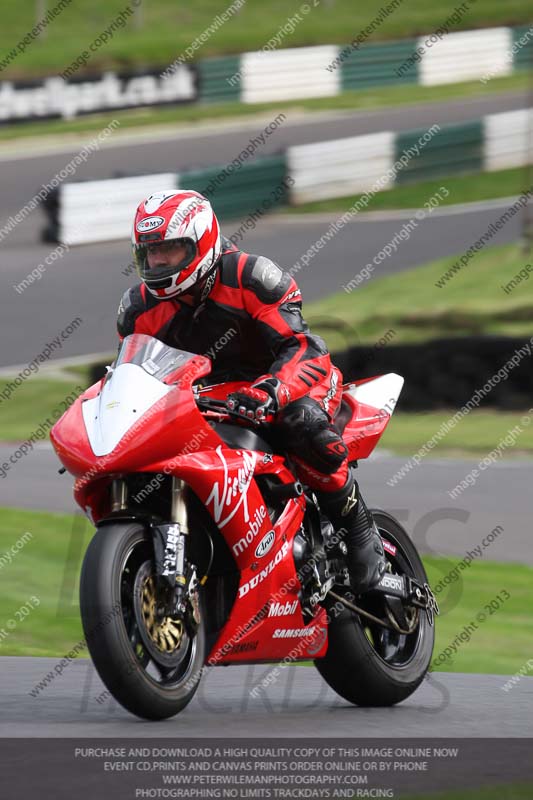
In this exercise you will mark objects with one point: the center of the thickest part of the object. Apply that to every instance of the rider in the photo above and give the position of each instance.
(201, 294)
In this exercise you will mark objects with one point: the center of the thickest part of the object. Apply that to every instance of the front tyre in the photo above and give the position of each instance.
(149, 662)
(370, 665)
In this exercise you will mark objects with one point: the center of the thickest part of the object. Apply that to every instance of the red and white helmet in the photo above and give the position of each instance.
(176, 215)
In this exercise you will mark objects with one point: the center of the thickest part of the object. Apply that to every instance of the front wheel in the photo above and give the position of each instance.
(150, 663)
(370, 665)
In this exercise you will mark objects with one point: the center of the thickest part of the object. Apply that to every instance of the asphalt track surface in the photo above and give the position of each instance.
(491, 728)
(298, 704)
(88, 281)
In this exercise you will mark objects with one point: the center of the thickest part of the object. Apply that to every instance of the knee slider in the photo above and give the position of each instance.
(307, 431)
(300, 420)
(328, 450)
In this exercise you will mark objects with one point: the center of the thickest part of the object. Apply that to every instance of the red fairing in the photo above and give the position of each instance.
(366, 425)
(224, 482)
(155, 437)
(175, 437)
(268, 598)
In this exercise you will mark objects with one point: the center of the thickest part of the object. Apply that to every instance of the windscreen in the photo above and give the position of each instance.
(155, 357)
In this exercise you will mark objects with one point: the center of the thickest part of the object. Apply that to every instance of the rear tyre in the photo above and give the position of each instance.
(150, 664)
(369, 665)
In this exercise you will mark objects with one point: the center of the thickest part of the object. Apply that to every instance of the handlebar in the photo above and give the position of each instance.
(221, 407)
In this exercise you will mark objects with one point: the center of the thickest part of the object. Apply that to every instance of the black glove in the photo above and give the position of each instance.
(266, 396)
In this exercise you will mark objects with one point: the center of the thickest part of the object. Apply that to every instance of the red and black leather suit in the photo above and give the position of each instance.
(255, 309)
(253, 297)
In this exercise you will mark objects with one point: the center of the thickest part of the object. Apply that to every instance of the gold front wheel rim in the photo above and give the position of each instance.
(166, 633)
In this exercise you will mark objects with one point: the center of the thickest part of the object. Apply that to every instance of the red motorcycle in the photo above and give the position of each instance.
(209, 551)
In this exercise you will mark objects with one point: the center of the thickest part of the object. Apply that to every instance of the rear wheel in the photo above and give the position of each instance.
(370, 665)
(151, 663)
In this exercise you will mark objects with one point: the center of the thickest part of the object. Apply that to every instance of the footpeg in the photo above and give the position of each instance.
(421, 596)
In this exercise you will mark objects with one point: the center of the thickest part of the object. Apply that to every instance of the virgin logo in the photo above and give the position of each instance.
(223, 496)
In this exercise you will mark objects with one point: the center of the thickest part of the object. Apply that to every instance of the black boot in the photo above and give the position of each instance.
(349, 516)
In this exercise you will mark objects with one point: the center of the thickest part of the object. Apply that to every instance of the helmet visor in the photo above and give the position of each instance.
(158, 262)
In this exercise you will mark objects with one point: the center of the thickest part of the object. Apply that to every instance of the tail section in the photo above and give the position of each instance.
(373, 401)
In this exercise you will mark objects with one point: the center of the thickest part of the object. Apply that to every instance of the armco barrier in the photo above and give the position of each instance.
(507, 139)
(94, 211)
(289, 74)
(358, 164)
(439, 374)
(103, 210)
(235, 194)
(453, 149)
(216, 80)
(523, 47)
(301, 72)
(377, 65)
(99, 211)
(339, 167)
(466, 56)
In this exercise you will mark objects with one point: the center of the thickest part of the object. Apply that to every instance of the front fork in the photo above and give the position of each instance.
(178, 510)
(170, 538)
(119, 495)
(172, 567)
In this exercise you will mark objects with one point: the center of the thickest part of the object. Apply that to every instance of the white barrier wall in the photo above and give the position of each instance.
(99, 211)
(340, 167)
(508, 139)
(286, 74)
(466, 56)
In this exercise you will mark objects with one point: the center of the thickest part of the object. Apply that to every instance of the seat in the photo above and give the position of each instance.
(343, 415)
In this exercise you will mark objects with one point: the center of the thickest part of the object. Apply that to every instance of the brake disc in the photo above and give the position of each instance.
(165, 637)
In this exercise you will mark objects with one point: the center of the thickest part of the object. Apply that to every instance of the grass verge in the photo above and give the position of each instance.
(501, 643)
(33, 402)
(462, 189)
(160, 32)
(48, 567)
(472, 302)
(477, 434)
